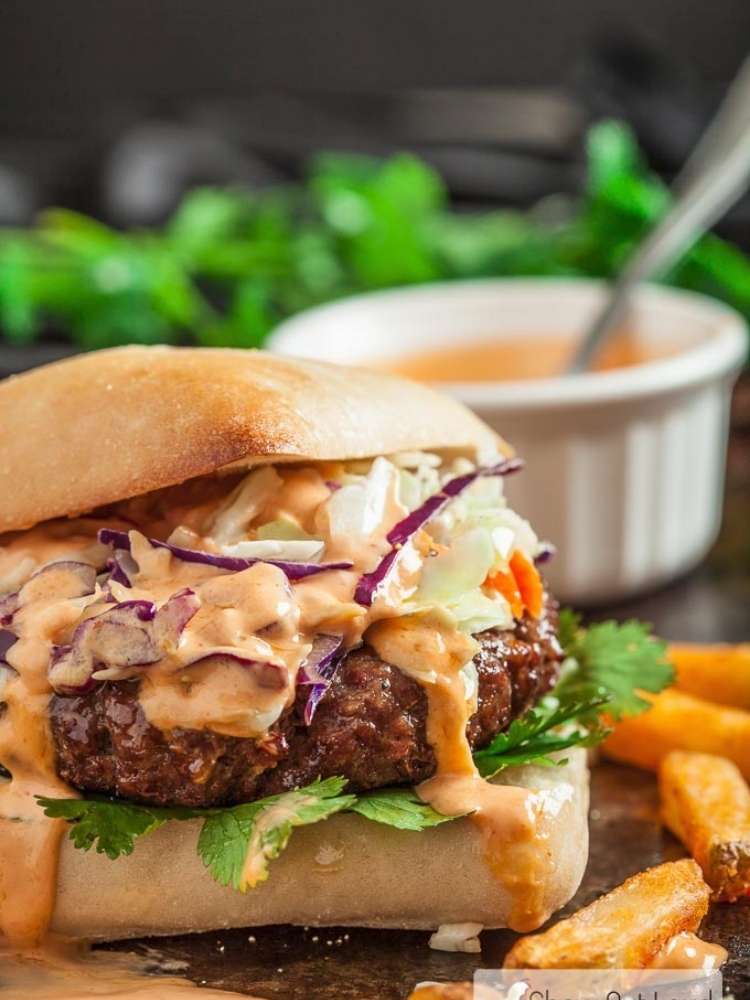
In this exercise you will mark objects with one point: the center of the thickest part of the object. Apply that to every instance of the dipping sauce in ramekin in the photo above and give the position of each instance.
(488, 359)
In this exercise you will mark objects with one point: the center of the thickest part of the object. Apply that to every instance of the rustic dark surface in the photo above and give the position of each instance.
(712, 604)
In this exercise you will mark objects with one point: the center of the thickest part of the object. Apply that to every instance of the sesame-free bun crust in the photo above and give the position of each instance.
(113, 424)
(345, 871)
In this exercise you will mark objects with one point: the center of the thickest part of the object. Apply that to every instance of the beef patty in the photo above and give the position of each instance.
(369, 727)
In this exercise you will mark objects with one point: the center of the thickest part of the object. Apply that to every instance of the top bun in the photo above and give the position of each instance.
(114, 424)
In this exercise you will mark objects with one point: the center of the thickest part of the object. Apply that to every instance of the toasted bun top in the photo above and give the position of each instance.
(113, 424)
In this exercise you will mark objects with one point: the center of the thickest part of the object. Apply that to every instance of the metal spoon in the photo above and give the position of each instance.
(714, 177)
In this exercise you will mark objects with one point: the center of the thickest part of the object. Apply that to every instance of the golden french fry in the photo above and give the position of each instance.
(448, 991)
(718, 673)
(626, 928)
(706, 804)
(453, 991)
(679, 721)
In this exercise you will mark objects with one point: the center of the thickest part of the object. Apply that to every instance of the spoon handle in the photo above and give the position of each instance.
(713, 178)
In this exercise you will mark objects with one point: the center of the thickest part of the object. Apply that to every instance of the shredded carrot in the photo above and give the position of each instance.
(505, 584)
(529, 583)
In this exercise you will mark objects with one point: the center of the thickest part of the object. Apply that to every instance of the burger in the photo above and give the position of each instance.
(273, 649)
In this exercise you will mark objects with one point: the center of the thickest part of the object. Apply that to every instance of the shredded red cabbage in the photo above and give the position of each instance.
(548, 551)
(131, 634)
(318, 670)
(77, 580)
(120, 566)
(8, 607)
(235, 564)
(369, 582)
(7, 638)
(401, 533)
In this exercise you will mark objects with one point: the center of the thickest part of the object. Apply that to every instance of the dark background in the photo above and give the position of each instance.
(63, 62)
(249, 88)
(117, 109)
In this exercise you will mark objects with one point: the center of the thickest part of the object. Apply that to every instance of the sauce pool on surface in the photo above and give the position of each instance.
(68, 970)
(520, 358)
(687, 951)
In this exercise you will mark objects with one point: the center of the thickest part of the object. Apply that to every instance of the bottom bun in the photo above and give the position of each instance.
(345, 871)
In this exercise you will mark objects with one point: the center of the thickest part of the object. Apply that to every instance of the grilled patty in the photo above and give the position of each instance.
(370, 727)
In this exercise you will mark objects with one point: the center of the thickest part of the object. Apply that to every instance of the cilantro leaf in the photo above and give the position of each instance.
(236, 844)
(568, 626)
(553, 725)
(109, 826)
(398, 807)
(614, 661)
(607, 664)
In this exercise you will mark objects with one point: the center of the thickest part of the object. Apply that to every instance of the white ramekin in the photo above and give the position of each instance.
(625, 469)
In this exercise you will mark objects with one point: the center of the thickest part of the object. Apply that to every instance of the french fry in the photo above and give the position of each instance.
(442, 991)
(706, 804)
(626, 928)
(716, 673)
(452, 991)
(679, 721)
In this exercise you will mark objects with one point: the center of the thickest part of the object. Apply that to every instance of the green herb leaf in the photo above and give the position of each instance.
(230, 263)
(398, 807)
(258, 831)
(237, 844)
(607, 663)
(111, 827)
(553, 725)
(17, 306)
(612, 661)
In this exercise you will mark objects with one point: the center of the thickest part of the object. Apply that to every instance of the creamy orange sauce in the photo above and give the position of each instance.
(505, 360)
(301, 494)
(29, 841)
(328, 605)
(25, 552)
(688, 951)
(220, 695)
(439, 658)
(430, 649)
(69, 971)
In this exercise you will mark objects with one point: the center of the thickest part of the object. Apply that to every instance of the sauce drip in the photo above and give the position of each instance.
(529, 357)
(30, 841)
(688, 951)
(69, 971)
(438, 657)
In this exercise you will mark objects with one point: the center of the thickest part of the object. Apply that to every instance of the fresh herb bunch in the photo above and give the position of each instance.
(230, 264)
(606, 666)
